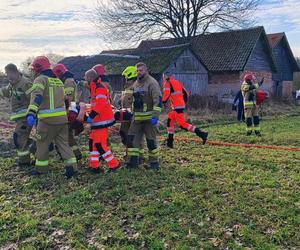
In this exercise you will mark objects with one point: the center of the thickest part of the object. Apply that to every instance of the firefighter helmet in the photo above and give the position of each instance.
(100, 69)
(39, 64)
(130, 72)
(248, 77)
(59, 70)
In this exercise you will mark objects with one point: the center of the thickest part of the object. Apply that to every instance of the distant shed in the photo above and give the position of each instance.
(180, 60)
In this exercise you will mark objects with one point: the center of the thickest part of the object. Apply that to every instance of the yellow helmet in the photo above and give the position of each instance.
(130, 72)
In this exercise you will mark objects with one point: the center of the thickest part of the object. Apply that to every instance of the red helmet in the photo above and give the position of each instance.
(248, 77)
(59, 70)
(40, 63)
(100, 69)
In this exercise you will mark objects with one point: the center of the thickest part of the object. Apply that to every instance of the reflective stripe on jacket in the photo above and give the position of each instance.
(249, 94)
(48, 99)
(147, 98)
(102, 113)
(174, 90)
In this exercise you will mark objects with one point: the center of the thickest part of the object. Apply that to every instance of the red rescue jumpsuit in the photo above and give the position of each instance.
(103, 117)
(175, 91)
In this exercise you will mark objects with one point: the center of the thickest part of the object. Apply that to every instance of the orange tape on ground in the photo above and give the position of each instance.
(228, 144)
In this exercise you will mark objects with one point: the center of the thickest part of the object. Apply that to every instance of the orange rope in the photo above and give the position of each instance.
(212, 143)
(228, 144)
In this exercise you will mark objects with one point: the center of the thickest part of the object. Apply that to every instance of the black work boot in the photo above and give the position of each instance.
(257, 133)
(40, 170)
(170, 141)
(133, 162)
(153, 166)
(69, 172)
(96, 170)
(202, 135)
(249, 132)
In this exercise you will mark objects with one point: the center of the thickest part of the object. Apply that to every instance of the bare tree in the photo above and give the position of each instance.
(133, 20)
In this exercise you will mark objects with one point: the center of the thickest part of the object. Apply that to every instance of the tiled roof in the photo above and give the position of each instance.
(223, 51)
(157, 60)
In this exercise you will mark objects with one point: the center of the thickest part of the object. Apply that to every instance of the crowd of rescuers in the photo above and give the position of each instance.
(51, 104)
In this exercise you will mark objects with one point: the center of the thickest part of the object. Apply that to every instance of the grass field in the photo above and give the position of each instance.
(204, 197)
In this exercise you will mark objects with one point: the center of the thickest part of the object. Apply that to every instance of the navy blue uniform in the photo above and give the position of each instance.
(240, 106)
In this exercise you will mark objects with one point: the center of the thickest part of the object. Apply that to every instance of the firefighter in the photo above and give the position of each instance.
(147, 103)
(175, 92)
(130, 75)
(48, 107)
(70, 87)
(101, 118)
(101, 71)
(18, 91)
(249, 88)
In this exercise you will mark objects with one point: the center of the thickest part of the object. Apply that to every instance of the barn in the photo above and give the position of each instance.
(285, 63)
(179, 59)
(228, 56)
(210, 65)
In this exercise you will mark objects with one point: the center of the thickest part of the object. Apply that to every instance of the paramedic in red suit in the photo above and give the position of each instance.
(101, 118)
(174, 91)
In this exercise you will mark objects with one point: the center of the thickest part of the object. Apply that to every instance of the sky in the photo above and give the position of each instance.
(35, 27)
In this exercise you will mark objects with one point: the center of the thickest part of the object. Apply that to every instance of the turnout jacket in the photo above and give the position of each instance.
(19, 95)
(48, 99)
(249, 93)
(147, 98)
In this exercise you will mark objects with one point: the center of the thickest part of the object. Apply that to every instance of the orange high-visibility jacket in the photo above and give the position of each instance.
(102, 113)
(175, 91)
